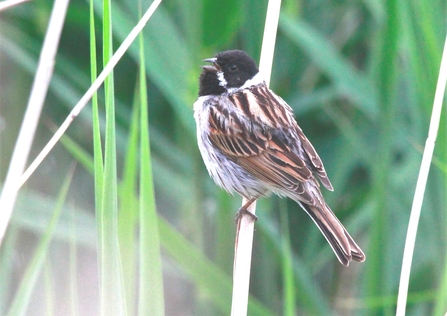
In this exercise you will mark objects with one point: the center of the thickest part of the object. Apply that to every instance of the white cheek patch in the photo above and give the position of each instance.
(222, 81)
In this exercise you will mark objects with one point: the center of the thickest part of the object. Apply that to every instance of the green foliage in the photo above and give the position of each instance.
(361, 78)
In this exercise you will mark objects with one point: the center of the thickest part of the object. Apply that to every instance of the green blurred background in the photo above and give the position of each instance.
(360, 76)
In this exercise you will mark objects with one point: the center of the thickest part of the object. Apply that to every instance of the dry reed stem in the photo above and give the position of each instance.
(245, 227)
(420, 186)
(34, 108)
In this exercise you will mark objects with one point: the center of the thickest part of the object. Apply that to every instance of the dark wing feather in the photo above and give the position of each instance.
(257, 130)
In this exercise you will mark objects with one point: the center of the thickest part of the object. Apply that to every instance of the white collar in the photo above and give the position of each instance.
(257, 79)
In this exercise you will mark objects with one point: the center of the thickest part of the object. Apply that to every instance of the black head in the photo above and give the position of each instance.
(231, 69)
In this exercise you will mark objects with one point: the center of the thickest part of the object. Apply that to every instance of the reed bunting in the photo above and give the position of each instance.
(252, 145)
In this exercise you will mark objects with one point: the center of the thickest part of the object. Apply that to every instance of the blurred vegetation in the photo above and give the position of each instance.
(360, 76)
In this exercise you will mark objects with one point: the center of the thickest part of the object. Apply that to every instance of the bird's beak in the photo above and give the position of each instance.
(210, 60)
(215, 66)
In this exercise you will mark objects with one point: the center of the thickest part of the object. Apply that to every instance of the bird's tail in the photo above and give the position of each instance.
(341, 242)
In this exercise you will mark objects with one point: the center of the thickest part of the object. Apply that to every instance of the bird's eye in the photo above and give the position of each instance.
(232, 68)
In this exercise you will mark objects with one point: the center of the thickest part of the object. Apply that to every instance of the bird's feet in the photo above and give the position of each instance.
(244, 210)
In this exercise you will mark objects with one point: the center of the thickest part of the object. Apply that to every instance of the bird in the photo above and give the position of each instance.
(252, 145)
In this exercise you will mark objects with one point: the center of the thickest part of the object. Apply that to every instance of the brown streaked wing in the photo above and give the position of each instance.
(278, 170)
(315, 159)
(279, 114)
(229, 134)
(259, 150)
(283, 116)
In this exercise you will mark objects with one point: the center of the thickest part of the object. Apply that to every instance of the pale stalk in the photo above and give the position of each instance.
(34, 108)
(242, 261)
(245, 226)
(269, 39)
(10, 3)
(420, 186)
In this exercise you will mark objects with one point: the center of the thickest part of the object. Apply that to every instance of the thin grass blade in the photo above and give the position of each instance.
(97, 144)
(128, 213)
(151, 298)
(112, 290)
(22, 296)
